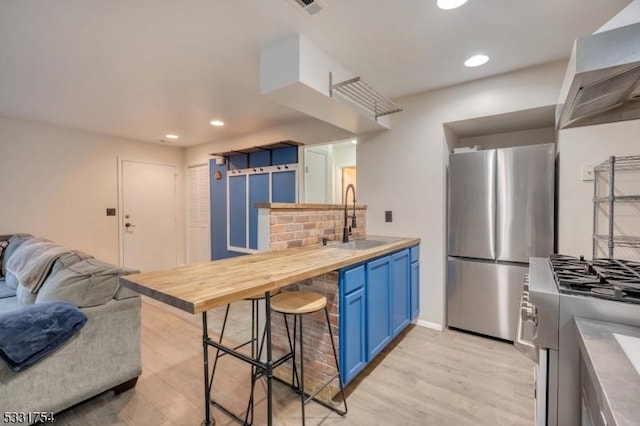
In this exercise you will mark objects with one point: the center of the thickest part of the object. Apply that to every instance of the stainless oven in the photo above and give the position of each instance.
(547, 333)
(527, 328)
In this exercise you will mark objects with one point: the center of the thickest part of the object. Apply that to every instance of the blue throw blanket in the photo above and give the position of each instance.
(31, 333)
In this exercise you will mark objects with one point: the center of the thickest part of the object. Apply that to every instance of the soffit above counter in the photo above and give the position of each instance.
(299, 75)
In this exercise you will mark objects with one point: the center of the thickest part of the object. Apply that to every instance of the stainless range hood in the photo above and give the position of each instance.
(602, 83)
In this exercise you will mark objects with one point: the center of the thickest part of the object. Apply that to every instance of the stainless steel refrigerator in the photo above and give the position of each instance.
(501, 212)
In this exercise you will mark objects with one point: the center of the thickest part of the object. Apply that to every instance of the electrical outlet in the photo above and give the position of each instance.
(586, 172)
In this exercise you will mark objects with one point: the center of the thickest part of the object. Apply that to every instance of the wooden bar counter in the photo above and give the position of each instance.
(200, 287)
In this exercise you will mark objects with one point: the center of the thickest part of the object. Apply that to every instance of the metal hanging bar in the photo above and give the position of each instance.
(363, 94)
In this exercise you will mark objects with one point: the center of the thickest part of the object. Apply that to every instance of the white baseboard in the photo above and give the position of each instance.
(431, 325)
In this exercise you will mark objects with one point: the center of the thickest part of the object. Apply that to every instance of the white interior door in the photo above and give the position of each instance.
(148, 216)
(198, 218)
(315, 177)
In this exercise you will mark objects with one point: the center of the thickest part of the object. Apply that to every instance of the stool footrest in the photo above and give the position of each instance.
(228, 413)
(313, 397)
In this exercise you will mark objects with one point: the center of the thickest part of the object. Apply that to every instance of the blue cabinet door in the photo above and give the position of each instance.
(353, 349)
(283, 187)
(258, 193)
(352, 336)
(378, 308)
(415, 289)
(400, 291)
(238, 211)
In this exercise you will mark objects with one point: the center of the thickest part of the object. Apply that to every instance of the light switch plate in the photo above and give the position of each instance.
(586, 172)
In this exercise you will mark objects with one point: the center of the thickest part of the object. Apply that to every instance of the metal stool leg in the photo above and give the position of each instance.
(335, 356)
(215, 361)
(301, 383)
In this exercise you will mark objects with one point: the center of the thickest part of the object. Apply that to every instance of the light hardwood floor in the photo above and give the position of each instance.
(424, 378)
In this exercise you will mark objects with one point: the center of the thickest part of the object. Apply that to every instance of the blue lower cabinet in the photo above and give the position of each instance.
(352, 335)
(377, 301)
(415, 289)
(400, 291)
(378, 310)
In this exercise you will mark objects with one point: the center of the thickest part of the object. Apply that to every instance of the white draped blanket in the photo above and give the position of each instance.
(32, 261)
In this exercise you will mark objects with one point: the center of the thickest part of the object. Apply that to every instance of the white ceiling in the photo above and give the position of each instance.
(141, 69)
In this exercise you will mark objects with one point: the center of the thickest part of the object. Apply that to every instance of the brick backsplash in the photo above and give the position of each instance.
(303, 227)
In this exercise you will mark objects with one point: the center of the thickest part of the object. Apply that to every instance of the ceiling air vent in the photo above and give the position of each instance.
(312, 7)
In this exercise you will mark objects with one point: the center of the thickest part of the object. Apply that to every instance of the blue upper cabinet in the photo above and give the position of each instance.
(283, 187)
(400, 290)
(286, 155)
(264, 174)
(238, 211)
(258, 193)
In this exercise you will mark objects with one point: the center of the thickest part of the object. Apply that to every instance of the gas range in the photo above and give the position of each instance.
(613, 279)
(561, 288)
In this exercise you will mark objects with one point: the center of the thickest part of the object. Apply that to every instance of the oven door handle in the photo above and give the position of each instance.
(525, 347)
(528, 349)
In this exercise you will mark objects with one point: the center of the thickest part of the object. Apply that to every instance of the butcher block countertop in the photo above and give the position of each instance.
(298, 206)
(200, 287)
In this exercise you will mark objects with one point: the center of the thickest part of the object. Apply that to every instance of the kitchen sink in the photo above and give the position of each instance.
(360, 244)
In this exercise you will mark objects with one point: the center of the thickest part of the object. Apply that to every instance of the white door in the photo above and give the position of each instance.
(198, 218)
(315, 177)
(148, 216)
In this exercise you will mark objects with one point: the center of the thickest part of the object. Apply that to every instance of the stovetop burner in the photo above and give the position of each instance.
(615, 279)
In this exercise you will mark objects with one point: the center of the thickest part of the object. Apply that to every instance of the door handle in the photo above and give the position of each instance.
(129, 225)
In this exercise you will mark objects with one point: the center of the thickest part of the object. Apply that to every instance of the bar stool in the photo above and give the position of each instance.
(299, 303)
(257, 346)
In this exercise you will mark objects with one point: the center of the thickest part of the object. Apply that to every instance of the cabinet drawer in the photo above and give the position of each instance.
(353, 279)
(415, 253)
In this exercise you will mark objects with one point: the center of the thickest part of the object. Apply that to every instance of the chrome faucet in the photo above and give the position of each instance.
(346, 230)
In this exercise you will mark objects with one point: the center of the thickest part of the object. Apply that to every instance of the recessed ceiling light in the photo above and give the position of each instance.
(476, 61)
(450, 4)
(216, 123)
(171, 136)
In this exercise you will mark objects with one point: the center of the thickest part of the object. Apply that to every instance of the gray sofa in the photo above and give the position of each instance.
(105, 354)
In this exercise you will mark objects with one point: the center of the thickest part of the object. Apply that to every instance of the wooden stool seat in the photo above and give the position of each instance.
(298, 302)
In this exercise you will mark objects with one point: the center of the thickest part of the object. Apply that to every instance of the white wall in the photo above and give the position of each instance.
(586, 145)
(508, 139)
(57, 183)
(403, 169)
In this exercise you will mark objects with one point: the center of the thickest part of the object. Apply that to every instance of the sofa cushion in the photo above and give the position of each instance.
(5, 291)
(3, 245)
(35, 331)
(14, 242)
(89, 282)
(24, 296)
(11, 281)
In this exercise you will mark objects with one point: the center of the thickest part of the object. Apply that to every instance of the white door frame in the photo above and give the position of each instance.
(120, 162)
